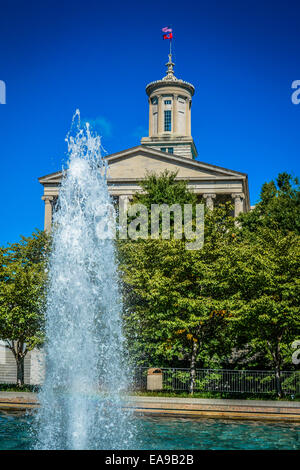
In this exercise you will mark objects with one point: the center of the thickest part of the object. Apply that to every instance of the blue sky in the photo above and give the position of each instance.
(241, 56)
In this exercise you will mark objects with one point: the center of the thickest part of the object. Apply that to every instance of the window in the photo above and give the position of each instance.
(170, 150)
(163, 149)
(154, 100)
(168, 121)
(168, 102)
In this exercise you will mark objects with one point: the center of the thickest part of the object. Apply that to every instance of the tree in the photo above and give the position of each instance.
(164, 189)
(263, 273)
(22, 282)
(263, 277)
(239, 290)
(278, 208)
(174, 309)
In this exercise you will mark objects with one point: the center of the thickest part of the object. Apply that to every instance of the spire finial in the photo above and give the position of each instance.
(170, 70)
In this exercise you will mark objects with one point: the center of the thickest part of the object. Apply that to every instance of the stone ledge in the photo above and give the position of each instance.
(183, 407)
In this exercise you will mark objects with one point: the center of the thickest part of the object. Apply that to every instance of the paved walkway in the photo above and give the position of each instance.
(183, 407)
(217, 408)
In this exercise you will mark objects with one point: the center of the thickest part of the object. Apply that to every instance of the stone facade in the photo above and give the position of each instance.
(33, 366)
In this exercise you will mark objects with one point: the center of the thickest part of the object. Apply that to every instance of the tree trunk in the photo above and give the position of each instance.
(278, 380)
(193, 368)
(275, 352)
(20, 371)
(278, 369)
(19, 350)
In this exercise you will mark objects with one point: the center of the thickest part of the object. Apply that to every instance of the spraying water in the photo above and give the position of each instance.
(81, 404)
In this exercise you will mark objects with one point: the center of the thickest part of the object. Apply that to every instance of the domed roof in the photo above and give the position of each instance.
(169, 80)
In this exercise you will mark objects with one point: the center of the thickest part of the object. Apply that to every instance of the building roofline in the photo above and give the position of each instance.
(166, 83)
(146, 150)
(175, 157)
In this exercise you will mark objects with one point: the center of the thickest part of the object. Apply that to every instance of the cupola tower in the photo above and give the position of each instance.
(170, 101)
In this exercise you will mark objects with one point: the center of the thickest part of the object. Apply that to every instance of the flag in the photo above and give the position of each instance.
(168, 31)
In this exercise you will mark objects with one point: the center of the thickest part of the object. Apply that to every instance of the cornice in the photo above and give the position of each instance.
(172, 83)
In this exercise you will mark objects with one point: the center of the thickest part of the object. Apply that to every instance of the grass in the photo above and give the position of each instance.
(169, 394)
(15, 388)
(239, 396)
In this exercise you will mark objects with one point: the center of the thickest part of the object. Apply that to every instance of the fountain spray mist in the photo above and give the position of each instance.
(81, 398)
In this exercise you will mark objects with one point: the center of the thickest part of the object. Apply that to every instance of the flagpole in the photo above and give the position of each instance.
(168, 35)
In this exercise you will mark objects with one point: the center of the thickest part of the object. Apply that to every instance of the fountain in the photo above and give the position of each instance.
(81, 405)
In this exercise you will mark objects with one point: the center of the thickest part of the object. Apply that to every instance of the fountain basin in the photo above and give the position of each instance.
(170, 433)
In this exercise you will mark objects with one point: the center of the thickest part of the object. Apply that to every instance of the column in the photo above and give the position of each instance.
(150, 117)
(2, 353)
(124, 201)
(48, 212)
(175, 114)
(37, 366)
(160, 124)
(209, 200)
(188, 117)
(238, 203)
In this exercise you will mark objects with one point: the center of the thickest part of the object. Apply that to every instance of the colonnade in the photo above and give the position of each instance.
(125, 200)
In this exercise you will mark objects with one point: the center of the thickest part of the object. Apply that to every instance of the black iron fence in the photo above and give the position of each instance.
(223, 380)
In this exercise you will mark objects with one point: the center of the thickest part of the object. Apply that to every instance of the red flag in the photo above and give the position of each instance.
(168, 36)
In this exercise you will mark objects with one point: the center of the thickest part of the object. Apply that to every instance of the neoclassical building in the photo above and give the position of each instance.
(170, 146)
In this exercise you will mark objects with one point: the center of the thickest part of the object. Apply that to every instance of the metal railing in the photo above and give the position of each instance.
(223, 380)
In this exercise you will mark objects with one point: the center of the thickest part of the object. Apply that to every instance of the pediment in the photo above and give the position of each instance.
(132, 164)
(135, 162)
(52, 178)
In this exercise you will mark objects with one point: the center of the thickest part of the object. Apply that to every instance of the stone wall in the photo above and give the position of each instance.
(33, 368)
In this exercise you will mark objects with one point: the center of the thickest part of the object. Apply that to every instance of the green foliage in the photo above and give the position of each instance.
(278, 208)
(239, 293)
(263, 274)
(22, 281)
(174, 309)
(16, 388)
(263, 277)
(214, 395)
(164, 189)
